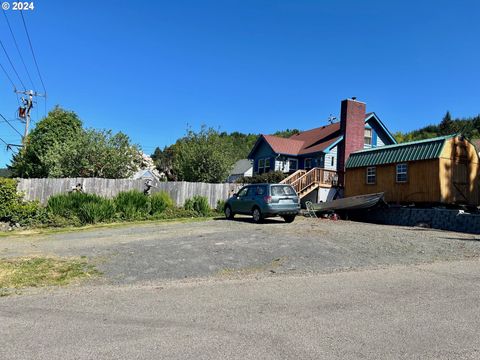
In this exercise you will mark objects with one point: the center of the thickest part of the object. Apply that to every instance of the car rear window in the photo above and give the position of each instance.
(282, 190)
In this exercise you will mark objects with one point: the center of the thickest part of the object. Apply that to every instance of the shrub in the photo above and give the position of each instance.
(52, 220)
(28, 213)
(8, 197)
(132, 205)
(80, 208)
(95, 212)
(68, 205)
(159, 202)
(175, 213)
(13, 208)
(198, 204)
(271, 177)
(220, 206)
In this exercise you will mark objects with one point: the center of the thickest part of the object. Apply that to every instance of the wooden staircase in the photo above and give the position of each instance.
(304, 182)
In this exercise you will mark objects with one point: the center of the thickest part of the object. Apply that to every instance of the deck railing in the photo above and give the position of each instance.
(315, 176)
(293, 177)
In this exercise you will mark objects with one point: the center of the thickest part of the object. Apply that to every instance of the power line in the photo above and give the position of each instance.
(33, 53)
(8, 76)
(18, 49)
(11, 81)
(11, 64)
(4, 141)
(8, 146)
(13, 127)
(11, 120)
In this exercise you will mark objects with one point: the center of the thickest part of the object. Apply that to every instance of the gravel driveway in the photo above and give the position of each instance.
(220, 248)
(236, 290)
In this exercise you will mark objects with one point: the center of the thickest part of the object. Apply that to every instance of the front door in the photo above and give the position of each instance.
(460, 182)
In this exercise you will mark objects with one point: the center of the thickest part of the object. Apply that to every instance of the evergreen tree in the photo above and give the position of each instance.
(446, 125)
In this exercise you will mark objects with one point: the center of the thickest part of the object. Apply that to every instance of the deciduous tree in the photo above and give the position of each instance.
(203, 156)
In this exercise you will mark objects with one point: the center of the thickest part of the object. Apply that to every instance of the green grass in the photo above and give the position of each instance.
(19, 273)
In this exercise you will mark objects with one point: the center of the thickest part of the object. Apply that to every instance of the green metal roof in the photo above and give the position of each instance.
(411, 151)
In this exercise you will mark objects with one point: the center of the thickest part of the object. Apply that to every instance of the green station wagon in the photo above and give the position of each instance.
(263, 201)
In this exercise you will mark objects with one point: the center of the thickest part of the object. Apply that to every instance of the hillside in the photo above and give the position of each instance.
(470, 127)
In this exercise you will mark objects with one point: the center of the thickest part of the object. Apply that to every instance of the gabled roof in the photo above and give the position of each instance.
(317, 139)
(306, 142)
(241, 167)
(411, 151)
(283, 145)
(143, 173)
(372, 115)
(320, 139)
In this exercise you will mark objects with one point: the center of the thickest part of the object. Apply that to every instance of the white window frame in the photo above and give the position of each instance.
(401, 169)
(260, 165)
(368, 137)
(368, 176)
(296, 164)
(265, 168)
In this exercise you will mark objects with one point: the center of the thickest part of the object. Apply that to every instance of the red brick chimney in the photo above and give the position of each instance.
(352, 126)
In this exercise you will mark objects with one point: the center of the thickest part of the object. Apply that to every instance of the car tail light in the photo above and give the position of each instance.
(268, 199)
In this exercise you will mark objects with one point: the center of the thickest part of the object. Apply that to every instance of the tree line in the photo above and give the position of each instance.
(60, 146)
(469, 127)
(207, 155)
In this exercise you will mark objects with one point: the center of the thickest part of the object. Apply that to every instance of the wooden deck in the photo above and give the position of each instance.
(305, 182)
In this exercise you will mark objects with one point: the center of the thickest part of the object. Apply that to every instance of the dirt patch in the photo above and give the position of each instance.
(271, 267)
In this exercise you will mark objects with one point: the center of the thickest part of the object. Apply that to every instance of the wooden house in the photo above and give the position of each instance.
(443, 170)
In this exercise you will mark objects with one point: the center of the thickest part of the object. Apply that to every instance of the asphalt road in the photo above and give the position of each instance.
(235, 290)
(403, 312)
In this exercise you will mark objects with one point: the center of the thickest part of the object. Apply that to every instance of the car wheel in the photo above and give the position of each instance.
(229, 213)
(257, 215)
(289, 218)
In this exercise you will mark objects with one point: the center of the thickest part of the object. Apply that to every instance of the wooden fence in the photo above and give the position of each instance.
(42, 189)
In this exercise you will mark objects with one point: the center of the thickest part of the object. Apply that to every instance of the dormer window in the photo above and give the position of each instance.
(368, 137)
(261, 165)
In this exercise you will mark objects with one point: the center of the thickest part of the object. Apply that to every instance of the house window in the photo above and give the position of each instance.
(260, 166)
(292, 164)
(332, 161)
(308, 163)
(267, 164)
(368, 137)
(371, 175)
(401, 175)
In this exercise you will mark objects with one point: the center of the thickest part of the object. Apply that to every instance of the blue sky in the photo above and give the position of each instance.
(150, 68)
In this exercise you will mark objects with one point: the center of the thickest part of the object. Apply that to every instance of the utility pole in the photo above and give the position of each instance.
(24, 112)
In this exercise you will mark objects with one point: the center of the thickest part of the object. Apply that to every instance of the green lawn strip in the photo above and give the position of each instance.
(52, 230)
(19, 273)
